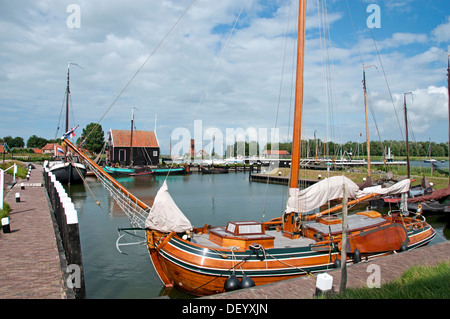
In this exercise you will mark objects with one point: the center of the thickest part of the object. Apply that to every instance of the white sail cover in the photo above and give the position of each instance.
(311, 198)
(165, 216)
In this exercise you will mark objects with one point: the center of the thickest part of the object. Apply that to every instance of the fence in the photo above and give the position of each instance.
(67, 220)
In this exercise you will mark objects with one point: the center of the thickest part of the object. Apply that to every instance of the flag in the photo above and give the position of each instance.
(60, 150)
(71, 133)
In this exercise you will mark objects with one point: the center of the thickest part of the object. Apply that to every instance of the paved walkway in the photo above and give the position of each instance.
(29, 258)
(391, 267)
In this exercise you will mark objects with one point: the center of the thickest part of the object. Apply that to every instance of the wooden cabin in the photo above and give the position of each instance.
(145, 148)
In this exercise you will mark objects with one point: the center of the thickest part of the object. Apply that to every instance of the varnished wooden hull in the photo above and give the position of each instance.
(202, 270)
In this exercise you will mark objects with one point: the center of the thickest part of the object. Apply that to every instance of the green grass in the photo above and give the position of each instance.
(5, 211)
(22, 169)
(415, 283)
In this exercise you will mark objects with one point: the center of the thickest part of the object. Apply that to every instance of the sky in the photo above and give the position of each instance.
(193, 69)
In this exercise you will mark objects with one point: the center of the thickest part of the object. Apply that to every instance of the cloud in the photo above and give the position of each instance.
(442, 32)
(243, 88)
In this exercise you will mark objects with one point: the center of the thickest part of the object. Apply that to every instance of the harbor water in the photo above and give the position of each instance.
(204, 199)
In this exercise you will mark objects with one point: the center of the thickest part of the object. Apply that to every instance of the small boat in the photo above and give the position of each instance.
(170, 171)
(213, 170)
(118, 170)
(67, 172)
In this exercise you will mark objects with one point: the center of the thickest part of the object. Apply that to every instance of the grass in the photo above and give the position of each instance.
(21, 168)
(5, 211)
(427, 282)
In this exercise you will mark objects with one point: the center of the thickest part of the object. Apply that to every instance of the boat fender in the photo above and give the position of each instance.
(337, 263)
(247, 282)
(232, 283)
(356, 256)
(403, 247)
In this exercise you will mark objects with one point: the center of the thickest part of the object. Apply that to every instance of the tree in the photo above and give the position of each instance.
(36, 142)
(95, 137)
(14, 142)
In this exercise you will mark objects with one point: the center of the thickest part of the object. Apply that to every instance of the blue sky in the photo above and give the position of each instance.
(190, 77)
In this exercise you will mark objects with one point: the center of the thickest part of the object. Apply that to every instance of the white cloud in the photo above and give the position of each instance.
(116, 37)
(442, 32)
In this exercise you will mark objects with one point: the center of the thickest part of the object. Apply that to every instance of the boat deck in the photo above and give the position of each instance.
(354, 222)
(279, 242)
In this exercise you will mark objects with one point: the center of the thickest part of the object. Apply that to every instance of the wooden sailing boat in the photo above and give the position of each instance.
(67, 171)
(208, 260)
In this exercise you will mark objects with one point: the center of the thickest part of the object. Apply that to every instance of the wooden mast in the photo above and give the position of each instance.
(406, 128)
(296, 141)
(367, 122)
(67, 108)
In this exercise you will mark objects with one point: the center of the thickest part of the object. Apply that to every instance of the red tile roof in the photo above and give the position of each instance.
(121, 138)
(49, 147)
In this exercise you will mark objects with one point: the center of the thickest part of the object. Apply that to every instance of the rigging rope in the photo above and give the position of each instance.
(139, 70)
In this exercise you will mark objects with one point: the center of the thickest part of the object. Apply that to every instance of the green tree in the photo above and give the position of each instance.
(95, 137)
(36, 142)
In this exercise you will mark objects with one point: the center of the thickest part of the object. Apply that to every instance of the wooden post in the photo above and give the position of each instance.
(344, 242)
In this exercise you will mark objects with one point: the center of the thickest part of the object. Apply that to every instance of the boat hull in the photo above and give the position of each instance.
(170, 171)
(69, 173)
(200, 270)
(118, 170)
(203, 270)
(213, 170)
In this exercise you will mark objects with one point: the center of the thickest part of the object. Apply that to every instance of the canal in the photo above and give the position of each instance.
(204, 199)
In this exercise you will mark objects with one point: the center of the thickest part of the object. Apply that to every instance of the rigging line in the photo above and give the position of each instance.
(202, 97)
(279, 95)
(60, 114)
(384, 73)
(140, 68)
(354, 31)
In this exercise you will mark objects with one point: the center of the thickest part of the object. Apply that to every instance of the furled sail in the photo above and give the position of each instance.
(318, 194)
(165, 216)
(307, 200)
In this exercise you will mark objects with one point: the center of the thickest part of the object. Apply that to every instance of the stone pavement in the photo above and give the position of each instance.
(30, 265)
(391, 267)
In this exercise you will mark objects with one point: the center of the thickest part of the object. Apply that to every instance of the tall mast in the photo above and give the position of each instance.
(406, 129)
(367, 122)
(296, 141)
(67, 99)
